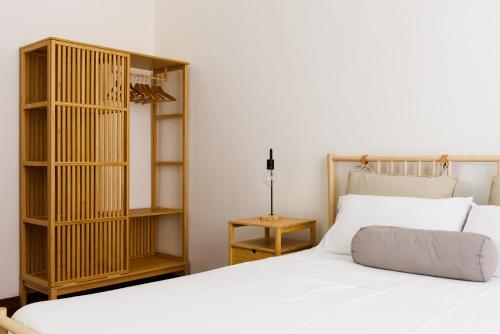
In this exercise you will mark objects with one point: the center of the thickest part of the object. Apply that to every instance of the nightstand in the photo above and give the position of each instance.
(261, 248)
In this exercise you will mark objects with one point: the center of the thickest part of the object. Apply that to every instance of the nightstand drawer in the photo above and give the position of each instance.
(244, 255)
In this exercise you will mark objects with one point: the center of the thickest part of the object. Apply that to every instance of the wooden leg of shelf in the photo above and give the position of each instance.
(23, 294)
(277, 242)
(266, 233)
(52, 294)
(186, 269)
(313, 235)
(230, 242)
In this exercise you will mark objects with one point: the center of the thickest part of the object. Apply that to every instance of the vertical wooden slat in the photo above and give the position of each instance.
(113, 88)
(115, 247)
(59, 254)
(105, 246)
(126, 152)
(120, 245)
(115, 169)
(154, 155)
(73, 251)
(97, 159)
(51, 157)
(78, 75)
(185, 158)
(154, 233)
(93, 256)
(83, 243)
(78, 191)
(123, 84)
(73, 75)
(93, 85)
(68, 252)
(77, 254)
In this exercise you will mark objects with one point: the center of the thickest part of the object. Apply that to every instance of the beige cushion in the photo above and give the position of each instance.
(458, 255)
(495, 191)
(362, 182)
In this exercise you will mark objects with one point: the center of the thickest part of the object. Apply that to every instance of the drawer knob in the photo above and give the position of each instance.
(254, 251)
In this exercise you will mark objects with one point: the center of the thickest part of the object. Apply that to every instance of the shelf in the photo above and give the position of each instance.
(169, 163)
(36, 105)
(267, 245)
(148, 62)
(154, 264)
(38, 280)
(36, 221)
(147, 212)
(139, 268)
(169, 116)
(35, 163)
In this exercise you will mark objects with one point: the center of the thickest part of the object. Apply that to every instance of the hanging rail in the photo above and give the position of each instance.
(144, 76)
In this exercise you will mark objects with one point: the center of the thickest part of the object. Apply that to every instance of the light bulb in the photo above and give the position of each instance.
(268, 177)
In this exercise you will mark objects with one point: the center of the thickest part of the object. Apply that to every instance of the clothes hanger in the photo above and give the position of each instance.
(156, 97)
(163, 93)
(144, 92)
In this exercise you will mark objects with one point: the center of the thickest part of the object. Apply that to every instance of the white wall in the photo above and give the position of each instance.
(305, 77)
(23, 22)
(312, 77)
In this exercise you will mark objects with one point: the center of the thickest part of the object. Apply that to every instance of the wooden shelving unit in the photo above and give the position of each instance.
(77, 231)
(261, 248)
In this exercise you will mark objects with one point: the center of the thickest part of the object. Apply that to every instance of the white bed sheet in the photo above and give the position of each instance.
(306, 292)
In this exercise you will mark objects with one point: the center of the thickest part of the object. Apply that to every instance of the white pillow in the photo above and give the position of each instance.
(357, 211)
(485, 220)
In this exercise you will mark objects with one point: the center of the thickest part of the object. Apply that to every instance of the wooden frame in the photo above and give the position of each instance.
(77, 231)
(433, 162)
(9, 325)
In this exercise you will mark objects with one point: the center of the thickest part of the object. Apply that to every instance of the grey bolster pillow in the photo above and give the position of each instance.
(458, 255)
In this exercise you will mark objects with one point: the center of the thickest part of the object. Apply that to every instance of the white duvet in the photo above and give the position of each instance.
(305, 292)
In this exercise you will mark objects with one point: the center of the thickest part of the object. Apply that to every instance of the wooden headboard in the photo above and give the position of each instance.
(400, 165)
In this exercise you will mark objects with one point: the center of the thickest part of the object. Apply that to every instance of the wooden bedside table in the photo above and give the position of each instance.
(256, 249)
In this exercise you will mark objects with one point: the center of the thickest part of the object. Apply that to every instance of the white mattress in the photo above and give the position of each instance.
(306, 292)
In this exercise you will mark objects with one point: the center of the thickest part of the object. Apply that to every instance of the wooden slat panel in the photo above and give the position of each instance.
(141, 236)
(88, 165)
(90, 254)
(90, 161)
(83, 192)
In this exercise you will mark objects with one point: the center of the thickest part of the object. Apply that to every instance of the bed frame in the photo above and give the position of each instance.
(430, 165)
(9, 325)
(393, 165)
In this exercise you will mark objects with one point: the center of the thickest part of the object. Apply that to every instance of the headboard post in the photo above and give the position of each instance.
(331, 189)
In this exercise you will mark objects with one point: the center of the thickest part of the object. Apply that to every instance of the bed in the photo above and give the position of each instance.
(307, 292)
